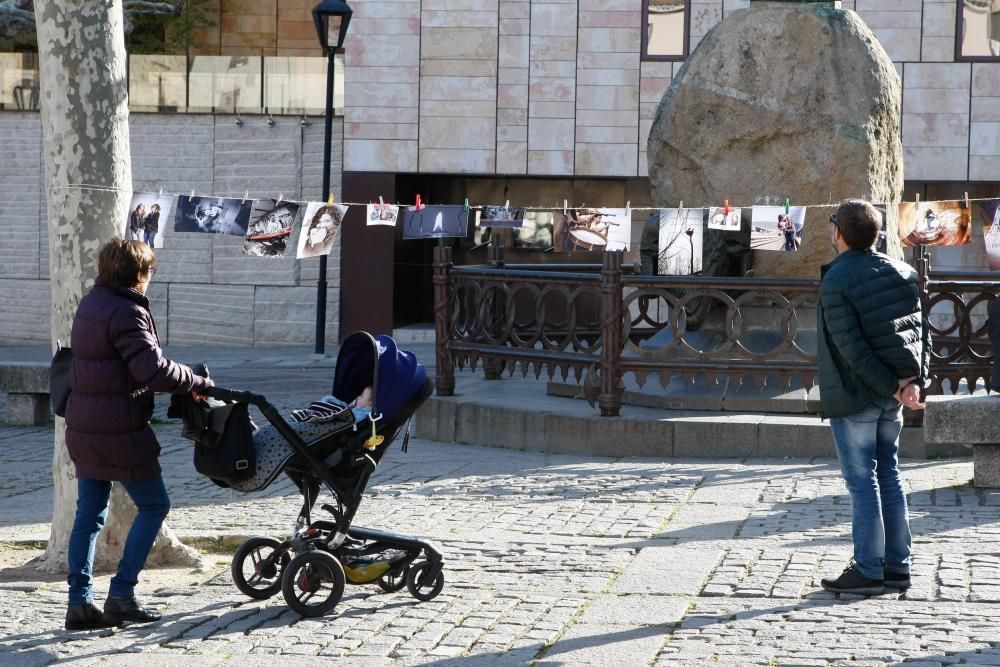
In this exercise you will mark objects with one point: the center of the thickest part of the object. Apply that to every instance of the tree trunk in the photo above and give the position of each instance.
(85, 126)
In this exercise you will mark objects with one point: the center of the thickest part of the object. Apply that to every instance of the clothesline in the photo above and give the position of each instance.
(556, 207)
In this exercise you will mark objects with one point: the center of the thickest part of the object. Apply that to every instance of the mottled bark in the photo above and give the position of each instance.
(84, 113)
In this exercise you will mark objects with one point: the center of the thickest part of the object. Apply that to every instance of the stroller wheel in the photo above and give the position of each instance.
(420, 584)
(313, 583)
(394, 580)
(257, 567)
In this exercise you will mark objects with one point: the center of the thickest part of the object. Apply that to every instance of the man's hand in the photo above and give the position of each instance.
(909, 394)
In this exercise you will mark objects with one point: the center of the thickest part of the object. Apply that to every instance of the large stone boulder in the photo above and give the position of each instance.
(782, 100)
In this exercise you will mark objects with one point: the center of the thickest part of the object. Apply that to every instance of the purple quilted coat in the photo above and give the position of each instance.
(117, 365)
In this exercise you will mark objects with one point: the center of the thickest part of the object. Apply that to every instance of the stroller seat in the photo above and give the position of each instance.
(273, 451)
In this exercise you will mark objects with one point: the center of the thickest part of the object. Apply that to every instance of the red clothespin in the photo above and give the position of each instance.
(418, 206)
(726, 208)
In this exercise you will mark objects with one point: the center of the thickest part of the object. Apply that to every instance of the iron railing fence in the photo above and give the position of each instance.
(597, 324)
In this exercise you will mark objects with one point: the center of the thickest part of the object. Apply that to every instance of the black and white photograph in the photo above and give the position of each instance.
(432, 222)
(777, 227)
(501, 216)
(382, 214)
(682, 233)
(213, 215)
(147, 214)
(320, 225)
(537, 231)
(271, 225)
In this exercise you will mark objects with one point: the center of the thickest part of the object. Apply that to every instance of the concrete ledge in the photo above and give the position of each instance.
(24, 377)
(27, 386)
(965, 420)
(518, 414)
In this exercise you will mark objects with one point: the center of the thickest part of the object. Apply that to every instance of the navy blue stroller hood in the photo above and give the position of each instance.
(394, 375)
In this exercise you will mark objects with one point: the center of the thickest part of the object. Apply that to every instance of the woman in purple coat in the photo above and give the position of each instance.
(117, 365)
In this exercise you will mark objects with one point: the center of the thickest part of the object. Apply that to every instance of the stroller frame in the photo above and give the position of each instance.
(316, 554)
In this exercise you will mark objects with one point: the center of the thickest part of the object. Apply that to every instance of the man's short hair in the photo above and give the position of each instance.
(120, 262)
(859, 223)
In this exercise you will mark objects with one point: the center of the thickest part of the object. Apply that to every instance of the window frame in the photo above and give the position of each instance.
(959, 58)
(644, 44)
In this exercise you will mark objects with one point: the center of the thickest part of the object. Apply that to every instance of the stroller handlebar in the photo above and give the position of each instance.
(225, 394)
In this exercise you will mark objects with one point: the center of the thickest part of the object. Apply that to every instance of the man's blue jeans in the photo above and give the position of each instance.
(150, 497)
(867, 446)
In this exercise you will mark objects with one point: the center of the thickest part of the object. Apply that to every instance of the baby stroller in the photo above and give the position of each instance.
(313, 566)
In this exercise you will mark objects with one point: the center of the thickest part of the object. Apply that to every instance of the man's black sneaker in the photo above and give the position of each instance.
(120, 610)
(85, 617)
(898, 580)
(852, 581)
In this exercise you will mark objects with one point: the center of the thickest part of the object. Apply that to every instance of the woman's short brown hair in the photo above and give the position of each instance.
(859, 223)
(120, 262)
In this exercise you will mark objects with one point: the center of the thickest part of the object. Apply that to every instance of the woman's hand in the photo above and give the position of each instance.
(198, 396)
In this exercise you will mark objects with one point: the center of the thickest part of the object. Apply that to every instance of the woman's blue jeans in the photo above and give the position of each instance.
(150, 497)
(868, 447)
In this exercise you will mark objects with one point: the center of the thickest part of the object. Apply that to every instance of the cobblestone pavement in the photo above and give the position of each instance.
(549, 560)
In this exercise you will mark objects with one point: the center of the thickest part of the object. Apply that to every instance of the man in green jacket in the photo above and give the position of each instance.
(873, 351)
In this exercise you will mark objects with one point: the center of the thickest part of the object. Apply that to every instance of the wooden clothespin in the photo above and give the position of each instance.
(506, 205)
(565, 206)
(381, 204)
(191, 196)
(329, 200)
(680, 205)
(246, 193)
(628, 209)
(965, 200)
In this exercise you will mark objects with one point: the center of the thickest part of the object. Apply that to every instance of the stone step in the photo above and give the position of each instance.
(516, 413)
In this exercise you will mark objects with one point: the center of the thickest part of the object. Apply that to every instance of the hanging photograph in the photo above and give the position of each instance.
(146, 213)
(726, 219)
(537, 231)
(592, 230)
(681, 238)
(432, 222)
(882, 241)
(987, 211)
(271, 225)
(382, 214)
(319, 228)
(212, 215)
(934, 223)
(501, 216)
(773, 229)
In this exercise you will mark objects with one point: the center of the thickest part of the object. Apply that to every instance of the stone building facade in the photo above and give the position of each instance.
(561, 87)
(535, 101)
(205, 291)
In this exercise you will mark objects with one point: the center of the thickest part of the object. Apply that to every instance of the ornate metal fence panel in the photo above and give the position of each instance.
(599, 325)
(706, 326)
(958, 306)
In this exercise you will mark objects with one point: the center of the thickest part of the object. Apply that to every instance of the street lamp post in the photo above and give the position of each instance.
(331, 18)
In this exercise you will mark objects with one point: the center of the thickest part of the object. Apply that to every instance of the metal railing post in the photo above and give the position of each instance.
(492, 367)
(444, 374)
(610, 400)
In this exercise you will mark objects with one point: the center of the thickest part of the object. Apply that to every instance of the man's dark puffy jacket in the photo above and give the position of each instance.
(117, 365)
(871, 331)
